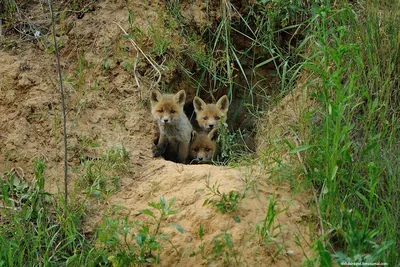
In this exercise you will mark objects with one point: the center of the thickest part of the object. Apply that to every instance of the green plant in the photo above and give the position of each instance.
(37, 228)
(165, 210)
(267, 231)
(159, 35)
(8, 9)
(77, 82)
(232, 149)
(200, 235)
(80, 70)
(225, 202)
(325, 258)
(106, 65)
(141, 243)
(99, 176)
(130, 253)
(361, 246)
(282, 13)
(226, 143)
(355, 140)
(80, 7)
(221, 246)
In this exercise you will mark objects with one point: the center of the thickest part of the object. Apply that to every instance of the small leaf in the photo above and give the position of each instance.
(363, 198)
(178, 227)
(93, 144)
(171, 212)
(139, 240)
(162, 201)
(266, 62)
(154, 205)
(236, 218)
(106, 64)
(334, 171)
(325, 257)
(300, 148)
(201, 231)
(147, 212)
(149, 259)
(172, 202)
(128, 36)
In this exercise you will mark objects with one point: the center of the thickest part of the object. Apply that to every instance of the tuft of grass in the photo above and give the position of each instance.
(232, 149)
(224, 202)
(36, 228)
(361, 246)
(161, 37)
(355, 132)
(350, 55)
(137, 243)
(99, 176)
(268, 231)
(230, 53)
(221, 247)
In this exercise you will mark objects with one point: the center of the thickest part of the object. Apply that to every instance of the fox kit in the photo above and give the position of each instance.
(173, 125)
(203, 147)
(208, 115)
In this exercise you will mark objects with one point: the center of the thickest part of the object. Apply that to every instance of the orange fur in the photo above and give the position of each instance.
(208, 115)
(174, 127)
(203, 147)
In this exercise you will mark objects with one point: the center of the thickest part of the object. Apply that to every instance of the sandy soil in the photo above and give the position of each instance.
(188, 184)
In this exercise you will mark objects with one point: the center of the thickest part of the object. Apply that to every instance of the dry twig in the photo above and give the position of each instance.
(63, 106)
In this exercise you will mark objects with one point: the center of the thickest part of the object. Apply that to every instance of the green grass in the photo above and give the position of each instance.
(137, 243)
(223, 202)
(37, 229)
(355, 142)
(7, 11)
(99, 176)
(221, 247)
(351, 54)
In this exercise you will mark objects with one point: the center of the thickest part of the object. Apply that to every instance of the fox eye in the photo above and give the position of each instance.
(173, 111)
(160, 110)
(207, 150)
(205, 118)
(196, 149)
(217, 118)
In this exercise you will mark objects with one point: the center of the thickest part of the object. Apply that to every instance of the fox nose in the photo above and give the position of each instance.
(200, 159)
(165, 120)
(211, 126)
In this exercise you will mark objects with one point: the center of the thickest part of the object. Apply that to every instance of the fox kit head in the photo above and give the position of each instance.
(203, 146)
(167, 108)
(208, 115)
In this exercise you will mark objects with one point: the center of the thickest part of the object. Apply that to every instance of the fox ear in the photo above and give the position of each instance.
(180, 97)
(198, 104)
(155, 97)
(213, 135)
(194, 135)
(223, 104)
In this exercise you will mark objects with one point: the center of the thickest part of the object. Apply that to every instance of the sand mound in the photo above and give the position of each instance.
(187, 183)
